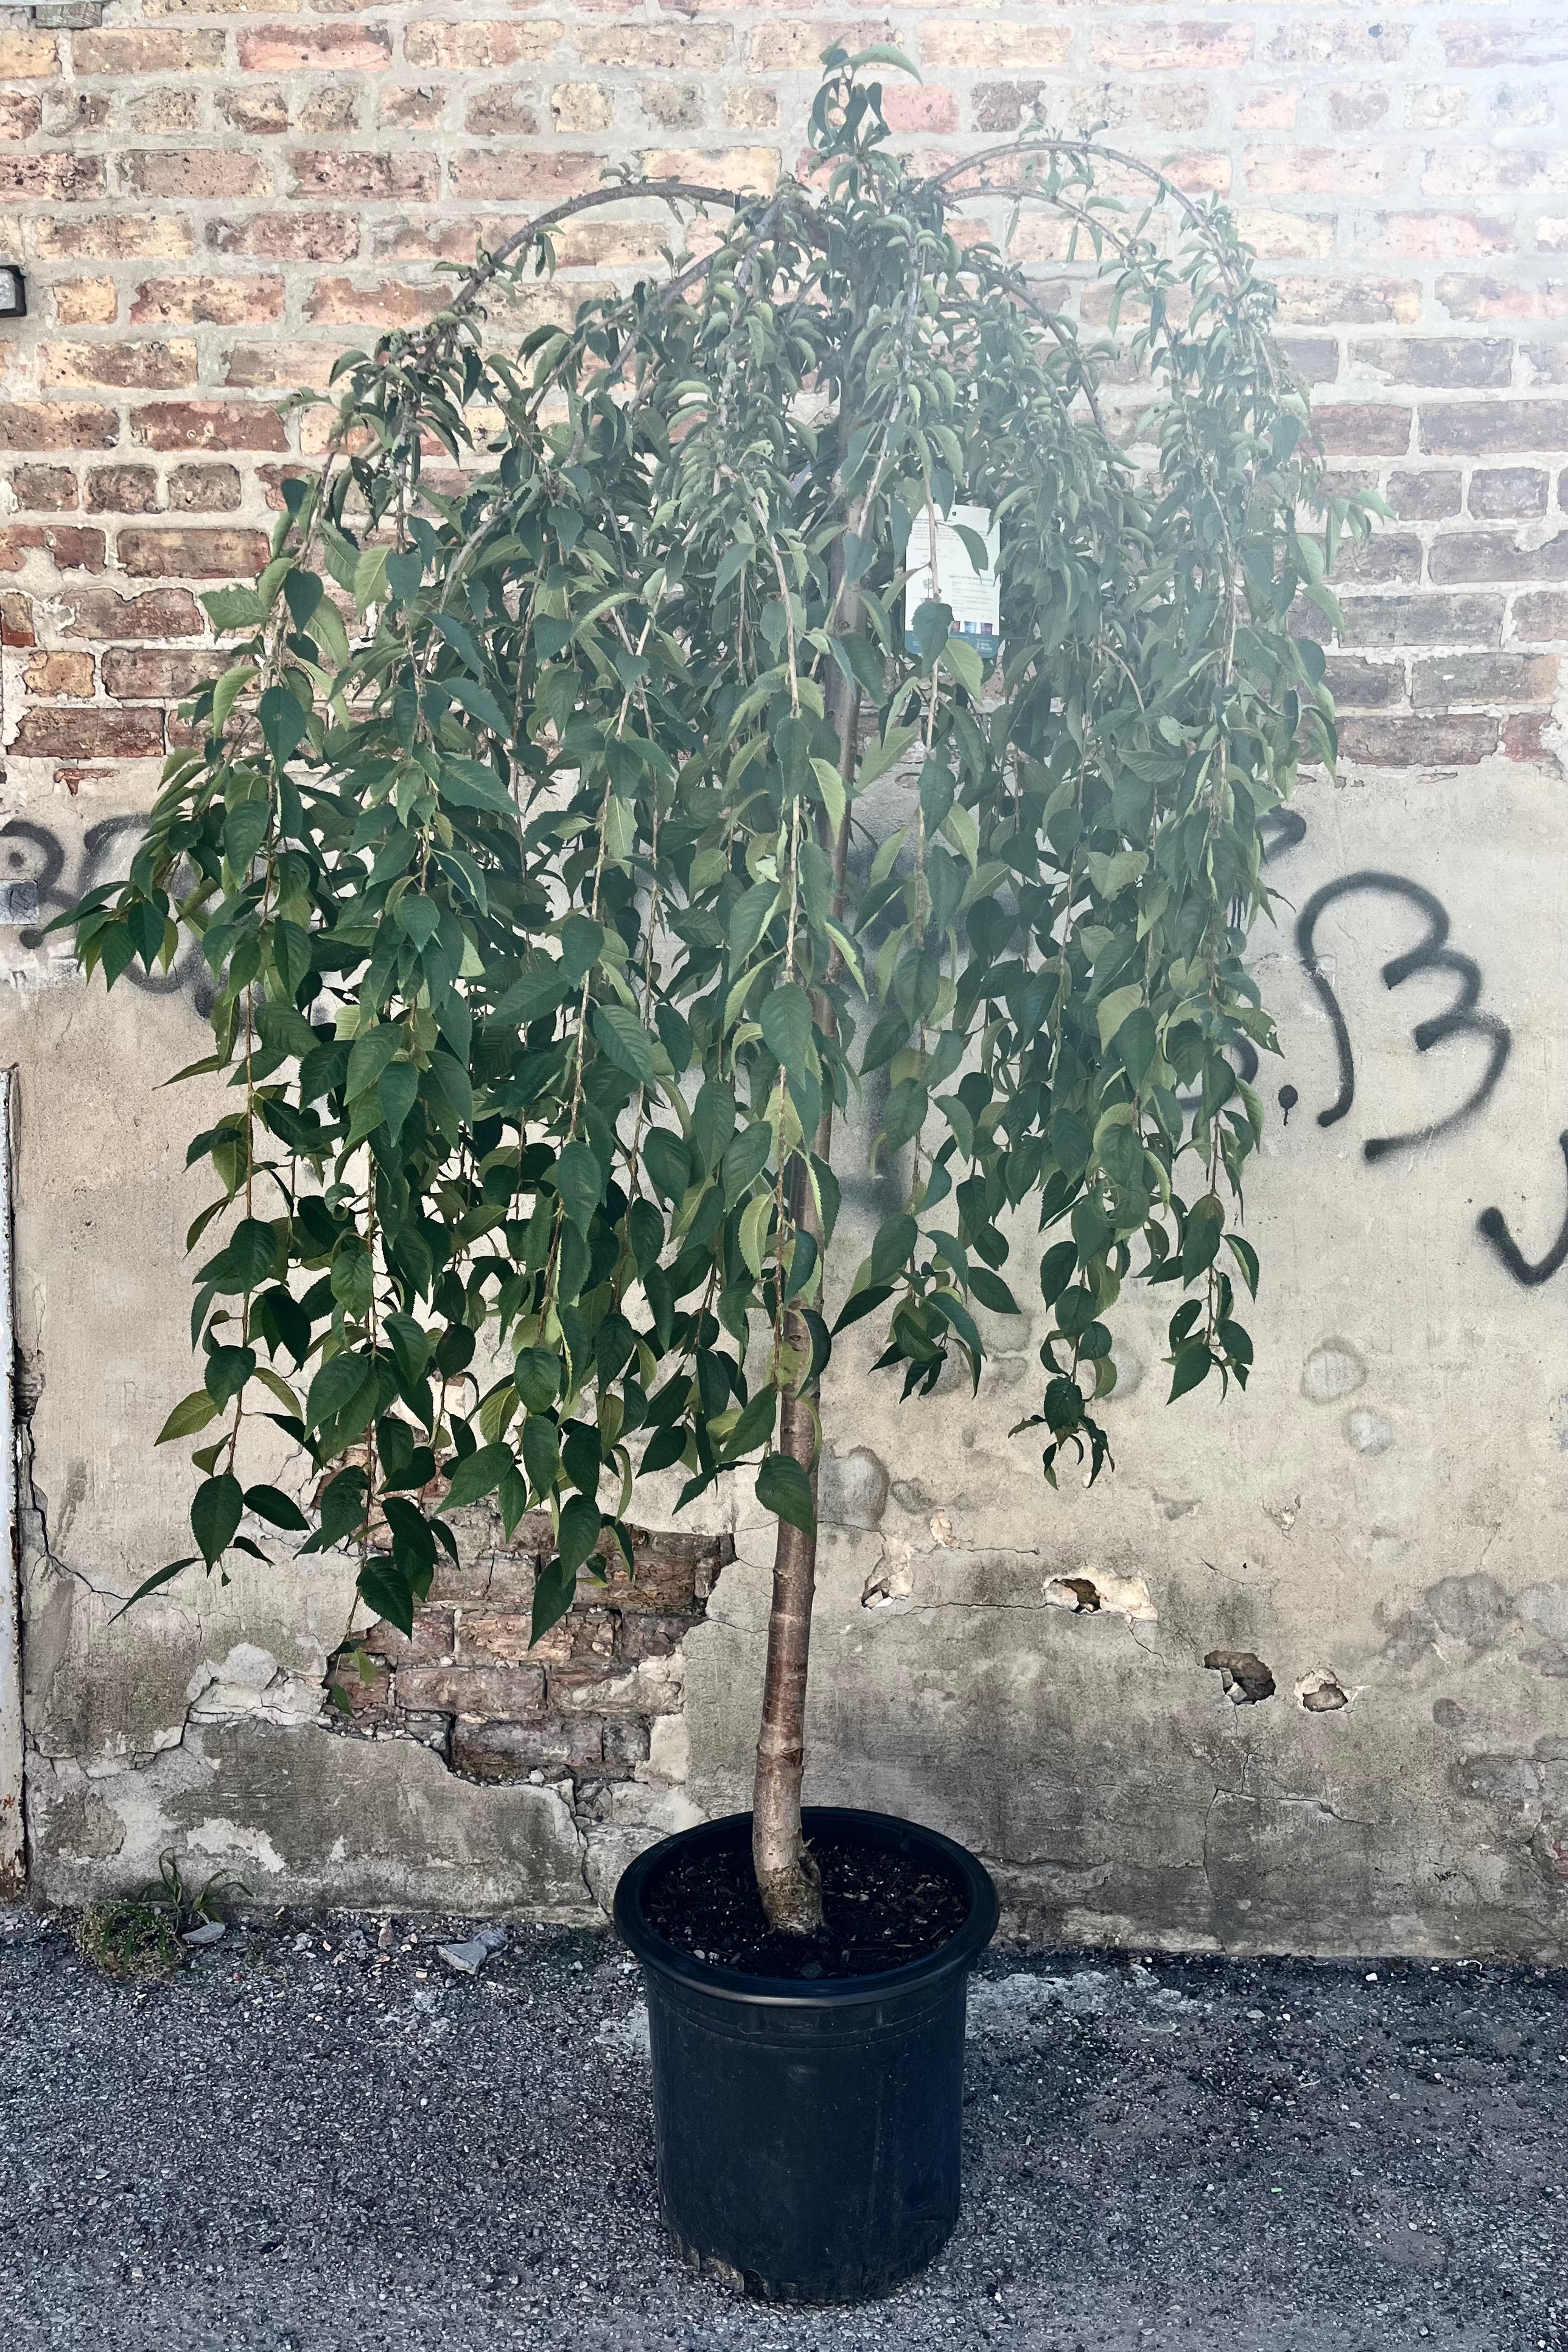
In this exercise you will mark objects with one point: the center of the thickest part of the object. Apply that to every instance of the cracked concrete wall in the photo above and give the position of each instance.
(1367, 1549)
(1292, 1676)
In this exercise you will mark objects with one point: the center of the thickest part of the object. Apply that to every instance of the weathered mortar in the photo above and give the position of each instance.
(209, 205)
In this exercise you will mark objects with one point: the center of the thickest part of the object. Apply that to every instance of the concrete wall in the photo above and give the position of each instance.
(210, 201)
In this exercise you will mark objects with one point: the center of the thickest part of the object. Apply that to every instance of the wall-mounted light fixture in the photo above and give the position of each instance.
(13, 291)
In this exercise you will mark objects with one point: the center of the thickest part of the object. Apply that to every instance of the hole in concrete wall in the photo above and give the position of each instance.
(1321, 1693)
(1100, 1588)
(1243, 1677)
(1072, 1593)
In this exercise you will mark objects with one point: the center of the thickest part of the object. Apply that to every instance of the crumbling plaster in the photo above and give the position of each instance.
(1378, 1523)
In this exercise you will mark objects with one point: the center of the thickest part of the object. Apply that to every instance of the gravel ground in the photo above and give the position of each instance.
(320, 2139)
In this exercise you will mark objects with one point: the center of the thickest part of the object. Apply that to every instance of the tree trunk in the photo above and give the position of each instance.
(787, 1877)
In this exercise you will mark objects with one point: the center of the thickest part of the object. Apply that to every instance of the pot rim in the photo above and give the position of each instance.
(959, 1953)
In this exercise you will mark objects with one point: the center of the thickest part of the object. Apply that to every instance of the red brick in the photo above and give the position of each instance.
(52, 179)
(660, 48)
(1466, 362)
(111, 236)
(45, 488)
(71, 546)
(1421, 621)
(1542, 619)
(1524, 735)
(1007, 105)
(1486, 428)
(16, 621)
(1509, 493)
(1280, 171)
(515, 1694)
(121, 52)
(321, 172)
(154, 673)
(386, 303)
(503, 1752)
(1503, 298)
(287, 48)
(418, 110)
(1317, 40)
(1425, 498)
(209, 425)
(1172, 49)
(1358, 685)
(289, 236)
(56, 675)
(57, 425)
(207, 301)
(281, 367)
(27, 55)
(1348, 302)
(134, 366)
(1541, 44)
(190, 173)
(217, 555)
(1489, 171)
(1417, 742)
(1444, 680)
(258, 113)
(1388, 559)
(911, 108)
(1442, 236)
(1365, 429)
(60, 733)
(20, 116)
(501, 112)
(1354, 112)
(500, 174)
(480, 47)
(1494, 555)
(204, 490)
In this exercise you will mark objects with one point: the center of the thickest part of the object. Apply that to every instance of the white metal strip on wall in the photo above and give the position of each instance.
(13, 1833)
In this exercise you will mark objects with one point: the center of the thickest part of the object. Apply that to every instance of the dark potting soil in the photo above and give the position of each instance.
(880, 1910)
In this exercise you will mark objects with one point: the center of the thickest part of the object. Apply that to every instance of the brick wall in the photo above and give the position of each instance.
(212, 197)
(594, 1705)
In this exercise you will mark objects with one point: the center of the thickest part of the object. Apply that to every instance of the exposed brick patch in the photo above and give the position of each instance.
(581, 1704)
(57, 425)
(209, 425)
(1448, 742)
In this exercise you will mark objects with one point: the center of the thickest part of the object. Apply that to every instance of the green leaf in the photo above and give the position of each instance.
(579, 1530)
(478, 1474)
(338, 1388)
(784, 1489)
(624, 1040)
(992, 1291)
(283, 724)
(191, 1415)
(554, 1590)
(214, 1516)
(579, 1183)
(786, 1021)
(1193, 1364)
(1116, 1008)
(271, 1504)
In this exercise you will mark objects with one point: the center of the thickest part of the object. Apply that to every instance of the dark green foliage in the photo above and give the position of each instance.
(523, 840)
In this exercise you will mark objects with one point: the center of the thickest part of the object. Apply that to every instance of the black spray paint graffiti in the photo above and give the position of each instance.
(1430, 953)
(35, 887)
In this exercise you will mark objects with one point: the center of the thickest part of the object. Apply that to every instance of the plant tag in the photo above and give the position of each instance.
(972, 597)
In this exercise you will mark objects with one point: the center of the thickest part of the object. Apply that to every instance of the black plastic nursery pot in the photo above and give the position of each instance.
(808, 2134)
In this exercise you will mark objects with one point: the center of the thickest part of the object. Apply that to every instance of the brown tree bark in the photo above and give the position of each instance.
(787, 1877)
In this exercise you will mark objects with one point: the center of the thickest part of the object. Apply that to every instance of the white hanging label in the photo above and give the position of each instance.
(972, 597)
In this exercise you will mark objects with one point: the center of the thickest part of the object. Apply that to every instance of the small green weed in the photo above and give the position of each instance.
(136, 1939)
